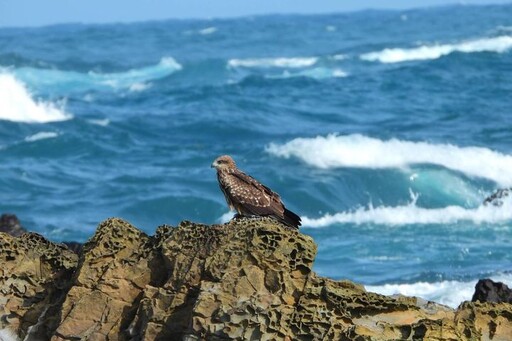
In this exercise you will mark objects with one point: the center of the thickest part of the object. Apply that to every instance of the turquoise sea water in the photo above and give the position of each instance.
(384, 130)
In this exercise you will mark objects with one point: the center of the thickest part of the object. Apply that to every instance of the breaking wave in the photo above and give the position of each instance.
(335, 151)
(450, 293)
(17, 104)
(396, 55)
(297, 62)
(72, 81)
(412, 214)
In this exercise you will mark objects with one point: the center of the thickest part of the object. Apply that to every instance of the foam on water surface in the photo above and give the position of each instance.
(411, 214)
(280, 62)
(43, 135)
(18, 105)
(450, 293)
(396, 55)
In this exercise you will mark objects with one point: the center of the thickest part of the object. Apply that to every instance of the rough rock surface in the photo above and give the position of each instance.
(10, 224)
(486, 290)
(246, 280)
(34, 273)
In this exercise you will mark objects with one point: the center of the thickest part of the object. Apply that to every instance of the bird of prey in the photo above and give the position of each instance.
(248, 196)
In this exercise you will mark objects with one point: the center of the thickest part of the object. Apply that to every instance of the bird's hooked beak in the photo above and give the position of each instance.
(214, 164)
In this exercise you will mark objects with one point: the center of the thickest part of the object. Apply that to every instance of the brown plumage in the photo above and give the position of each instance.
(249, 197)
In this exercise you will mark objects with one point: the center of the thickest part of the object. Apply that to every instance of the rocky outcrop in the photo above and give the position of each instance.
(250, 279)
(34, 275)
(486, 290)
(10, 224)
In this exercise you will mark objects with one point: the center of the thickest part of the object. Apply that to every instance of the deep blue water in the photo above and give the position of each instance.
(384, 130)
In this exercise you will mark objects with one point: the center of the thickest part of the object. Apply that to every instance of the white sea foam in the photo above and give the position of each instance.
(335, 151)
(208, 30)
(412, 214)
(450, 293)
(16, 104)
(296, 62)
(226, 217)
(138, 87)
(330, 28)
(100, 122)
(315, 73)
(41, 136)
(338, 57)
(395, 55)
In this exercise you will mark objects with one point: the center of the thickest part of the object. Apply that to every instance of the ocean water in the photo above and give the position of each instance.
(384, 130)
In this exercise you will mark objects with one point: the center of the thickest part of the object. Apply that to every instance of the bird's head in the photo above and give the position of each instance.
(223, 162)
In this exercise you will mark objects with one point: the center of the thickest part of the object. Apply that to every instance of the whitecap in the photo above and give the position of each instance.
(396, 55)
(208, 30)
(281, 62)
(330, 28)
(450, 293)
(412, 214)
(43, 135)
(336, 151)
(17, 104)
(100, 122)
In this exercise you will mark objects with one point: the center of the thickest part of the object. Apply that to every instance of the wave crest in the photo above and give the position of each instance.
(72, 81)
(17, 105)
(450, 293)
(412, 214)
(396, 55)
(335, 151)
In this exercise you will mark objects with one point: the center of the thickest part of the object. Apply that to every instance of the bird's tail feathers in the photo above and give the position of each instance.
(291, 219)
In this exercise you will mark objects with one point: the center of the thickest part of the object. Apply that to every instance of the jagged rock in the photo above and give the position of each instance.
(250, 279)
(116, 265)
(486, 290)
(76, 247)
(33, 274)
(10, 224)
